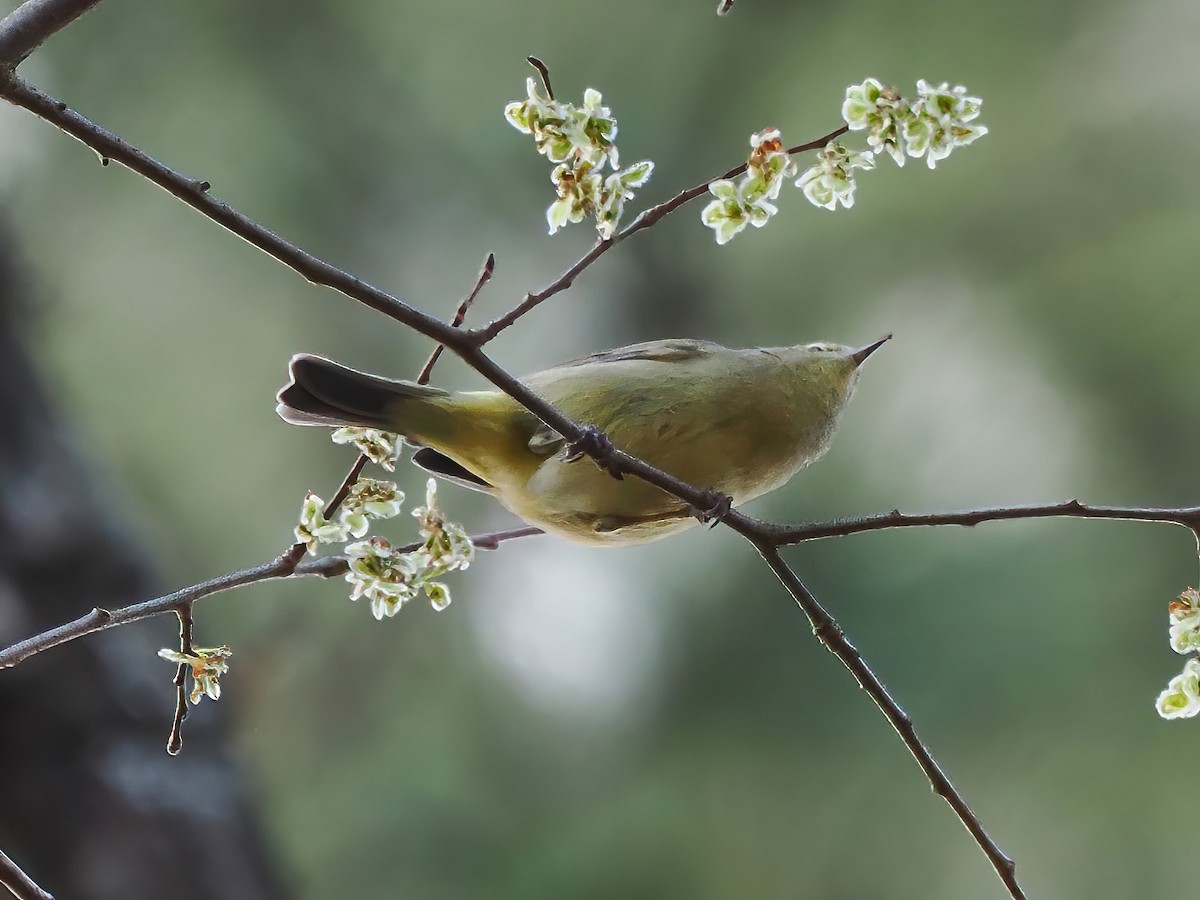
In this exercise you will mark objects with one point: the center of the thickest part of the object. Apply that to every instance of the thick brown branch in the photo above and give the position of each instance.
(831, 635)
(644, 219)
(1188, 516)
(21, 885)
(25, 28)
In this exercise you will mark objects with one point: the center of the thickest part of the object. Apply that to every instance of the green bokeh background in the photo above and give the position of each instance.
(658, 721)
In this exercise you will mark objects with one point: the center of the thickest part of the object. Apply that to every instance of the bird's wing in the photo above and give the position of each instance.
(671, 350)
(545, 440)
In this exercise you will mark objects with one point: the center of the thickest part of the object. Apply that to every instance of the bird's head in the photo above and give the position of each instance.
(825, 373)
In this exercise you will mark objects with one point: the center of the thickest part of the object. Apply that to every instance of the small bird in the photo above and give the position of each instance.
(738, 422)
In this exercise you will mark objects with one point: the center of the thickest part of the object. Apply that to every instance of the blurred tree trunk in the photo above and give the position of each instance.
(91, 805)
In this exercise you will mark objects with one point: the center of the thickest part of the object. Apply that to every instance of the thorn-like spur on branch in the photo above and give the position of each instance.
(281, 567)
(18, 883)
(831, 635)
(28, 26)
(643, 220)
(1187, 516)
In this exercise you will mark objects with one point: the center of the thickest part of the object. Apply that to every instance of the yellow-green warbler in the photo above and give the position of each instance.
(738, 422)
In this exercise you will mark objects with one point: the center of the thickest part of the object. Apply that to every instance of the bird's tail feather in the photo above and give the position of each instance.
(322, 392)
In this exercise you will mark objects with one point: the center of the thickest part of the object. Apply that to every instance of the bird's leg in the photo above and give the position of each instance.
(717, 505)
(594, 443)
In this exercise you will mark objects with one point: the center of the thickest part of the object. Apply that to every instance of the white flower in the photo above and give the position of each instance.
(831, 180)
(208, 664)
(872, 105)
(1184, 613)
(618, 187)
(447, 546)
(438, 594)
(948, 104)
(599, 128)
(525, 115)
(370, 499)
(314, 529)
(732, 210)
(584, 192)
(938, 122)
(769, 164)
(1181, 699)
(577, 192)
(383, 576)
(381, 447)
(563, 132)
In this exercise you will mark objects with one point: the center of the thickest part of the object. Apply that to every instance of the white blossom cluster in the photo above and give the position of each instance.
(831, 180)
(368, 499)
(940, 119)
(389, 578)
(208, 664)
(748, 201)
(386, 576)
(930, 126)
(580, 140)
(381, 447)
(1181, 699)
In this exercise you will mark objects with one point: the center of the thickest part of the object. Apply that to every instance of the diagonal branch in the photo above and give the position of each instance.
(830, 634)
(21, 885)
(26, 28)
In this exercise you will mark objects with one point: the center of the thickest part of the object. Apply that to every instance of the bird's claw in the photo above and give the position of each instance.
(717, 506)
(594, 443)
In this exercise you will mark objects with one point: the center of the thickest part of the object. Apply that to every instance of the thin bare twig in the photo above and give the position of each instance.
(642, 220)
(343, 491)
(186, 648)
(485, 275)
(21, 885)
(32, 23)
(1187, 516)
(831, 635)
(100, 619)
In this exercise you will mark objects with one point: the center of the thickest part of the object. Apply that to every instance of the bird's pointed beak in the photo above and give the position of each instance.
(860, 355)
